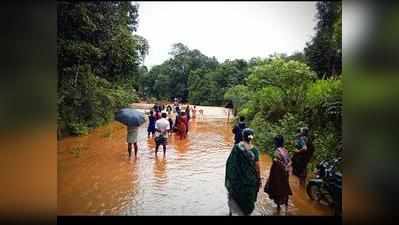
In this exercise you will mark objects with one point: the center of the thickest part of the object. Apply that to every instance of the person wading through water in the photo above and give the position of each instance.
(181, 125)
(302, 154)
(151, 124)
(237, 130)
(277, 185)
(229, 106)
(132, 133)
(162, 127)
(242, 179)
(188, 116)
(169, 109)
(193, 112)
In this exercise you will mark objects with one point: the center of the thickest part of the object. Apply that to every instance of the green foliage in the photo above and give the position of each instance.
(238, 94)
(283, 95)
(175, 77)
(324, 52)
(323, 91)
(98, 62)
(326, 143)
(278, 86)
(324, 104)
(194, 77)
(280, 73)
(75, 151)
(265, 131)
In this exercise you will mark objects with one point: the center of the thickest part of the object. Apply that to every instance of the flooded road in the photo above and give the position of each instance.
(96, 177)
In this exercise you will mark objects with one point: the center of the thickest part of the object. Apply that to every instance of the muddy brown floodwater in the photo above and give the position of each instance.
(96, 177)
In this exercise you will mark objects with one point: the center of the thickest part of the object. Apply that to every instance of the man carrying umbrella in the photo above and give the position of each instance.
(132, 132)
(132, 119)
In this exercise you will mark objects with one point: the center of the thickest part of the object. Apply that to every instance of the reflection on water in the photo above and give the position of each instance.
(96, 177)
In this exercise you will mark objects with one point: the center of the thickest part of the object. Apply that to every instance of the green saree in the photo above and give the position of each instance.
(241, 179)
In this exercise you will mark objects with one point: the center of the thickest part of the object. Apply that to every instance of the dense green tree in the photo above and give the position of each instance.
(282, 95)
(323, 52)
(171, 78)
(98, 62)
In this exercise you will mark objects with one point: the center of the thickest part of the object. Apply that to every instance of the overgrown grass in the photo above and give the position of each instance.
(77, 150)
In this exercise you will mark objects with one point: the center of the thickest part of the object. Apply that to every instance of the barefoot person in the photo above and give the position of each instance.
(162, 128)
(201, 112)
(132, 132)
(277, 185)
(242, 179)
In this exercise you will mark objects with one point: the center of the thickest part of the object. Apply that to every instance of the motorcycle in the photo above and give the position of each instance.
(327, 185)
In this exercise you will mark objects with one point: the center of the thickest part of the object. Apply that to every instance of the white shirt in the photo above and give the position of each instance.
(163, 125)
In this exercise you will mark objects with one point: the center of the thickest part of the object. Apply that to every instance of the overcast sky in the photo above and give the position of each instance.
(226, 30)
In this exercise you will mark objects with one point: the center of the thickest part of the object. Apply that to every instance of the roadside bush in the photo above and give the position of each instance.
(283, 96)
(90, 102)
(265, 131)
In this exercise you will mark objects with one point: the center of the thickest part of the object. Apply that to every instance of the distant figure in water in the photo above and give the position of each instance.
(177, 109)
(162, 127)
(277, 185)
(188, 116)
(181, 125)
(201, 112)
(229, 106)
(158, 114)
(188, 112)
(193, 112)
(243, 176)
(170, 125)
(237, 130)
(302, 154)
(151, 124)
(169, 109)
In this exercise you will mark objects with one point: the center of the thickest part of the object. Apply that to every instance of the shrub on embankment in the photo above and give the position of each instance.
(99, 58)
(282, 96)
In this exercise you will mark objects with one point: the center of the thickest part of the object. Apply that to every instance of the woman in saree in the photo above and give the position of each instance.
(302, 154)
(277, 185)
(242, 179)
(181, 125)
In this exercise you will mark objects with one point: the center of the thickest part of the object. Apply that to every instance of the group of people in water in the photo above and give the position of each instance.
(243, 179)
(161, 124)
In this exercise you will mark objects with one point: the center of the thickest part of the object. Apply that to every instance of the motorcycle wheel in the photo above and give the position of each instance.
(314, 192)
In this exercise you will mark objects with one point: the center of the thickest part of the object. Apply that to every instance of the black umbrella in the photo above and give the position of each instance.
(130, 117)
